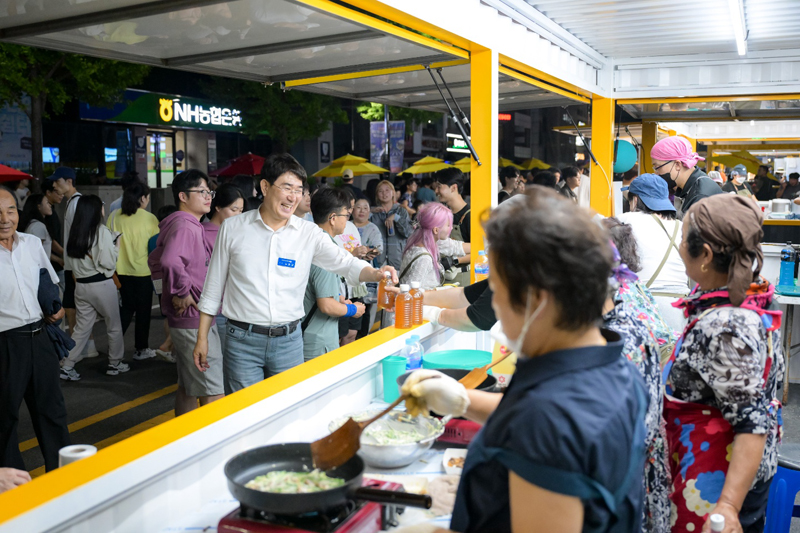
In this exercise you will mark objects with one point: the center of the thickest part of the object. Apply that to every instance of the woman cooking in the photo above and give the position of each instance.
(722, 380)
(563, 449)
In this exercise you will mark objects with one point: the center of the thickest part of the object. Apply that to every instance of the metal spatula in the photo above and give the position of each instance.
(476, 376)
(338, 447)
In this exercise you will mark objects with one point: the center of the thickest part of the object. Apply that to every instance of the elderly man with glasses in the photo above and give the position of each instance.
(261, 263)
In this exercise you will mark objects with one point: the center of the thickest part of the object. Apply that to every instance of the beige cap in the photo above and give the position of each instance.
(348, 174)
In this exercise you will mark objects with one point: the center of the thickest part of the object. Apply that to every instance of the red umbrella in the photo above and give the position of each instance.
(12, 174)
(248, 163)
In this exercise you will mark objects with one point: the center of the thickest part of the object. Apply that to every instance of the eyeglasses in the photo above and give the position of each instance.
(655, 168)
(289, 190)
(204, 192)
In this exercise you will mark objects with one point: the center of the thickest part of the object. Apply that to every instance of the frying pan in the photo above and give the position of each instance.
(296, 457)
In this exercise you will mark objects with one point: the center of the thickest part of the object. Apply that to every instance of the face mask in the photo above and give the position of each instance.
(738, 179)
(515, 345)
(672, 185)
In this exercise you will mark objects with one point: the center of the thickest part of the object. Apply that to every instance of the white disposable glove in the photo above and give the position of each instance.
(431, 313)
(430, 390)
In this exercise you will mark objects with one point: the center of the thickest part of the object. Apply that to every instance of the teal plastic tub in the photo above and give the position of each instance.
(463, 359)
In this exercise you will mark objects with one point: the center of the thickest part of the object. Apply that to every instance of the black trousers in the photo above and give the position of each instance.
(137, 298)
(29, 370)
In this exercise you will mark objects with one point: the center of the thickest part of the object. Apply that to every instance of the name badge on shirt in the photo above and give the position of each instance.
(288, 263)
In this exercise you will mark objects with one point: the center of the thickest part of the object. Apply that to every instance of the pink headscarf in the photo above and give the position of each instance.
(675, 149)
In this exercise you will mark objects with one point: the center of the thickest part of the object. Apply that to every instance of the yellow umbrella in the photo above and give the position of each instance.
(530, 164)
(464, 164)
(358, 165)
(745, 158)
(427, 164)
(509, 163)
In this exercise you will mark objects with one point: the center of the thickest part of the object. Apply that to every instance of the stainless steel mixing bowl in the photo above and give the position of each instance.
(377, 452)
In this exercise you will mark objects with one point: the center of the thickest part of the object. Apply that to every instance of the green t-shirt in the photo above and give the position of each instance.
(322, 334)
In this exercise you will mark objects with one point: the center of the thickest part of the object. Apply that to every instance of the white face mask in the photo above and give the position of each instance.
(515, 345)
(738, 179)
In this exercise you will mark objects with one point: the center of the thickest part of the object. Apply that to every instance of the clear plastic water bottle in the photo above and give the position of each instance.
(788, 256)
(418, 343)
(412, 354)
(482, 267)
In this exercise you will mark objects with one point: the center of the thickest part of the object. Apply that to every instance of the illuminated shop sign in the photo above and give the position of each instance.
(178, 112)
(166, 110)
(456, 143)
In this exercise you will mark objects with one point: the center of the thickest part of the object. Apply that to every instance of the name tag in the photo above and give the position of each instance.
(288, 263)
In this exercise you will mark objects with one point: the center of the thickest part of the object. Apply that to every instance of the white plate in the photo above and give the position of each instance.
(450, 453)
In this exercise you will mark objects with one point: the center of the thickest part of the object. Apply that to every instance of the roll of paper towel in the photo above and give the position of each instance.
(76, 452)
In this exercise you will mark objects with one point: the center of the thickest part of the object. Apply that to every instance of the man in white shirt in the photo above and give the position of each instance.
(29, 367)
(261, 262)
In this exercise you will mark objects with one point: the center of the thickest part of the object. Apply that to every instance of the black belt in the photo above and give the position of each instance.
(28, 330)
(270, 331)
(93, 279)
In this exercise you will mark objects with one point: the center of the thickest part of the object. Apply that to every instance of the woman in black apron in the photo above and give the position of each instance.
(563, 448)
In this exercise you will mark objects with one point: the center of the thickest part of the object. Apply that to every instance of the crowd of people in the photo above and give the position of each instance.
(641, 340)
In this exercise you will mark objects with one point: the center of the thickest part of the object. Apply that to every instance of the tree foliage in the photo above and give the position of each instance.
(412, 117)
(287, 116)
(55, 78)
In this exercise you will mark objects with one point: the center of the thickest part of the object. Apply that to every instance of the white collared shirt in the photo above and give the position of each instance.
(19, 270)
(263, 273)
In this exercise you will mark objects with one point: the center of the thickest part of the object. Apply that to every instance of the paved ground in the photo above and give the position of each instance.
(104, 409)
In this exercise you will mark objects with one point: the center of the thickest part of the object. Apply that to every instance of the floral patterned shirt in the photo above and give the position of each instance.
(721, 363)
(641, 348)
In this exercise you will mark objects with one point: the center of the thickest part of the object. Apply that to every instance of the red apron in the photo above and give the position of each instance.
(700, 443)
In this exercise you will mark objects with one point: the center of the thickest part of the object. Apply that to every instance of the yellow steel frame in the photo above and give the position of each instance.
(404, 19)
(371, 73)
(748, 147)
(742, 139)
(701, 99)
(62, 480)
(546, 86)
(364, 19)
(483, 113)
(649, 138)
(603, 148)
(536, 73)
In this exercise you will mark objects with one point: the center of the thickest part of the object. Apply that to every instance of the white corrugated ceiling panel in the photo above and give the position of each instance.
(633, 28)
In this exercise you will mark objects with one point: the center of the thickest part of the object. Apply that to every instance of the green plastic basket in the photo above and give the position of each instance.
(463, 359)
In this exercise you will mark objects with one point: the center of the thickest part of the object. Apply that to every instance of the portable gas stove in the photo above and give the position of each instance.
(351, 517)
(459, 431)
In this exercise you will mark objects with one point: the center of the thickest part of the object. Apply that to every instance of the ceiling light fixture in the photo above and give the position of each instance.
(736, 9)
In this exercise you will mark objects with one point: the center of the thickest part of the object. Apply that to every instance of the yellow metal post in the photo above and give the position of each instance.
(649, 138)
(484, 103)
(603, 149)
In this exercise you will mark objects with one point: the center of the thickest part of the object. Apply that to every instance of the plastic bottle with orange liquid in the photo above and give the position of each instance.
(416, 303)
(403, 308)
(385, 298)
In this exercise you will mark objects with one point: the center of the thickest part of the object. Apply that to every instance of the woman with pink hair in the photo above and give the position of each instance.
(676, 162)
(429, 241)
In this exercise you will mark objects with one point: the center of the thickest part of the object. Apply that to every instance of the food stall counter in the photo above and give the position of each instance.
(161, 479)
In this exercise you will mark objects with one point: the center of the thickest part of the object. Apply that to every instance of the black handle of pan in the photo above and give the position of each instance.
(393, 497)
